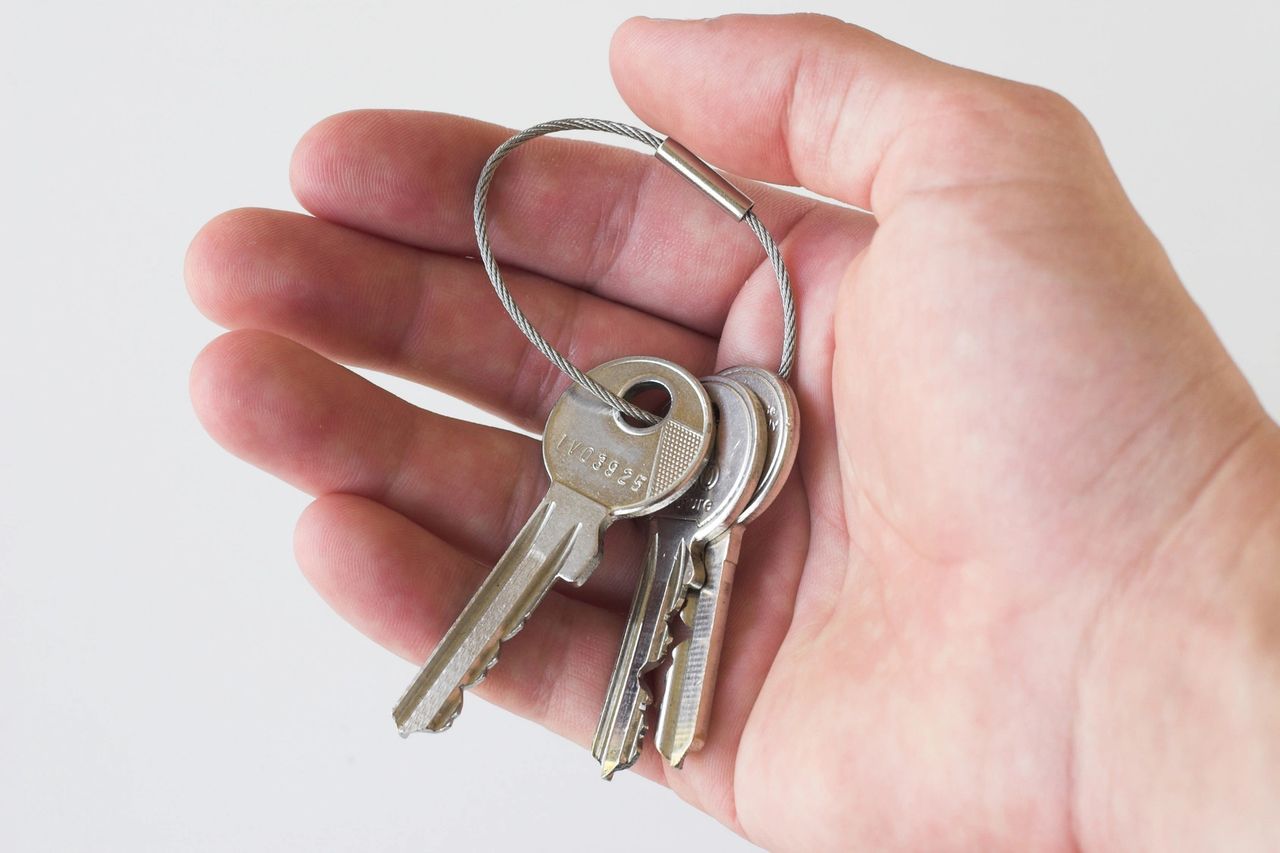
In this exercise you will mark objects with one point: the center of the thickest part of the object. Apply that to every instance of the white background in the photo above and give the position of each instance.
(167, 678)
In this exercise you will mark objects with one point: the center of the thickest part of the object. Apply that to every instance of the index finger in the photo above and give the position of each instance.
(597, 217)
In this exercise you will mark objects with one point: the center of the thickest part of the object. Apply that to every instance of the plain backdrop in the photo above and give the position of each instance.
(168, 680)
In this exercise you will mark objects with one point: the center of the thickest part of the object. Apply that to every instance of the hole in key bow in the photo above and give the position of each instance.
(650, 395)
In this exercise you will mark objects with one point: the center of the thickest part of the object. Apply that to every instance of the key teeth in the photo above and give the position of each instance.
(644, 697)
(641, 733)
(448, 724)
(482, 672)
(668, 637)
(479, 674)
(633, 754)
(663, 647)
(453, 706)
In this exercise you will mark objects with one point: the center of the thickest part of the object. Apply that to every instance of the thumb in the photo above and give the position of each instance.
(811, 100)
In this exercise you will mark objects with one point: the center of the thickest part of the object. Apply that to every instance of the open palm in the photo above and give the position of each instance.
(1008, 403)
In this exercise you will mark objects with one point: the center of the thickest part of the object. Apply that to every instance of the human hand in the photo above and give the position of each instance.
(1021, 567)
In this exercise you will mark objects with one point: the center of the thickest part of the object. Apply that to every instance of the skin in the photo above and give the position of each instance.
(1020, 590)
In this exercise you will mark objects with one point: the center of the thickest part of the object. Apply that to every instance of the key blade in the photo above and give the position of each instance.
(684, 716)
(667, 570)
(563, 534)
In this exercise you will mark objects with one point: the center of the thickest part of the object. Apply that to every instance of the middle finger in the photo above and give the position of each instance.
(327, 430)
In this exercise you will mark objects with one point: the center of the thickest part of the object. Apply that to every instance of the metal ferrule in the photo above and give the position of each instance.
(705, 178)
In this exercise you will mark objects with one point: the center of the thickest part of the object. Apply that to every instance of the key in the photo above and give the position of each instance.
(601, 468)
(676, 536)
(685, 712)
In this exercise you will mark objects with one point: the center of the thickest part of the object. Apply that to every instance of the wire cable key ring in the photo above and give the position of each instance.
(688, 164)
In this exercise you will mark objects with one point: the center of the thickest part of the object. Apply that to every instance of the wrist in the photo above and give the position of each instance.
(1177, 736)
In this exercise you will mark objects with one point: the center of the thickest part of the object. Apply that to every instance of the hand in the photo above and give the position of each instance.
(1018, 590)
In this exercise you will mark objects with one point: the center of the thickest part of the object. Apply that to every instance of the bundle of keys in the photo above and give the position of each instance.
(712, 463)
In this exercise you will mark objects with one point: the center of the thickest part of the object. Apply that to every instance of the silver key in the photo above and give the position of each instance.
(685, 712)
(601, 469)
(676, 538)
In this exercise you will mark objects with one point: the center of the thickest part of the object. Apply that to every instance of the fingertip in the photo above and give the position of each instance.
(213, 260)
(319, 546)
(210, 379)
(245, 384)
(638, 26)
(363, 559)
(620, 43)
(310, 534)
(366, 166)
(631, 47)
(323, 162)
(629, 23)
(686, 78)
(394, 580)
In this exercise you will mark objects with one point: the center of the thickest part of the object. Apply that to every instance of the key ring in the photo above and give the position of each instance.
(671, 152)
